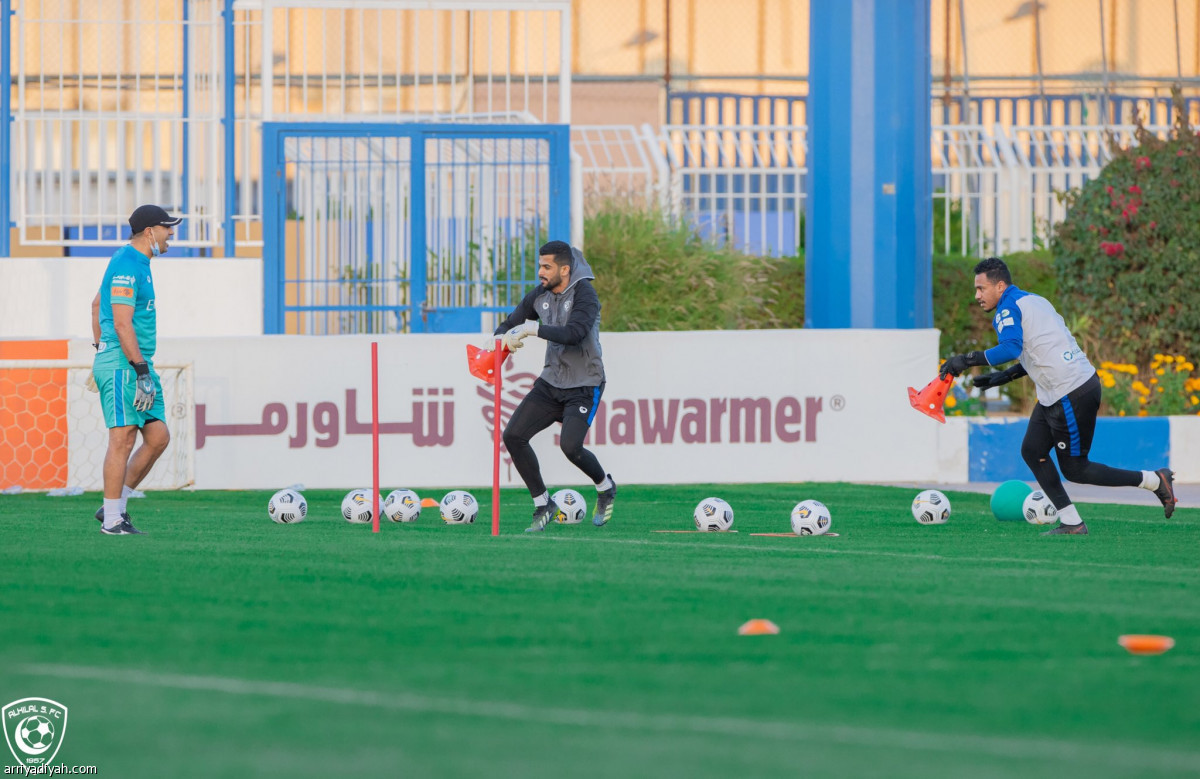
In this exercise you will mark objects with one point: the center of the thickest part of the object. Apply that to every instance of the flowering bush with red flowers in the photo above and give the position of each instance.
(1128, 253)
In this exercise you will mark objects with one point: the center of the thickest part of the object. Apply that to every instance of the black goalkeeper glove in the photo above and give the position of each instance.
(960, 362)
(989, 380)
(1000, 378)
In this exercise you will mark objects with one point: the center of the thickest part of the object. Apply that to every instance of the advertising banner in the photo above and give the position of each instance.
(689, 407)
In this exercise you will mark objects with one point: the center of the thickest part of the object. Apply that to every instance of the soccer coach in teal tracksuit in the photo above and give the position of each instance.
(125, 326)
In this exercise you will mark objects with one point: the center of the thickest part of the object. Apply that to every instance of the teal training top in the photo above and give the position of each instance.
(127, 282)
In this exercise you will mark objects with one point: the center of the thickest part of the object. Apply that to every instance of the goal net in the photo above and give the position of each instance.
(52, 432)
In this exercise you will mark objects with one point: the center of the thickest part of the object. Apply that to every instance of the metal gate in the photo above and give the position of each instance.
(406, 228)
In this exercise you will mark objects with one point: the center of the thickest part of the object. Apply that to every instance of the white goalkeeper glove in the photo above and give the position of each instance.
(514, 339)
(144, 389)
(91, 383)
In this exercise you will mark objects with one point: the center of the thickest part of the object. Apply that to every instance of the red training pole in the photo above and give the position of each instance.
(375, 435)
(496, 381)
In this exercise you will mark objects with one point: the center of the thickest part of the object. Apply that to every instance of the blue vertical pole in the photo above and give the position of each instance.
(230, 126)
(417, 249)
(869, 209)
(6, 118)
(560, 181)
(274, 228)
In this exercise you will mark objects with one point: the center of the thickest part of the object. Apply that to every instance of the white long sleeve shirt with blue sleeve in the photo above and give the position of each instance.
(1030, 330)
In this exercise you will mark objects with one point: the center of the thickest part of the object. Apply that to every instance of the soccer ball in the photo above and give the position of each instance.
(713, 515)
(37, 732)
(810, 518)
(931, 508)
(402, 506)
(1038, 509)
(459, 507)
(356, 507)
(572, 508)
(287, 507)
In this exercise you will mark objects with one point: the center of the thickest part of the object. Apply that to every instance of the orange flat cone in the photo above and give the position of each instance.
(481, 362)
(759, 627)
(1146, 645)
(930, 399)
(428, 503)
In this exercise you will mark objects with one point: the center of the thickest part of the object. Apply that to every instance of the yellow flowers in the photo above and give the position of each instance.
(1181, 363)
(1119, 367)
(1165, 387)
(951, 401)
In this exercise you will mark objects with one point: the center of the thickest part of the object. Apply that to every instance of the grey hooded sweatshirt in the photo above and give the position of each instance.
(570, 323)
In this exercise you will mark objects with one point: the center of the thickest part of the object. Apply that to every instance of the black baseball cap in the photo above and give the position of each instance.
(150, 215)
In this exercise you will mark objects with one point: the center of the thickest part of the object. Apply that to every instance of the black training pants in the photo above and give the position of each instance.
(542, 407)
(1067, 427)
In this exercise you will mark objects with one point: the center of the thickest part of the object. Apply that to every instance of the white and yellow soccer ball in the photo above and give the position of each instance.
(459, 507)
(713, 515)
(931, 507)
(811, 518)
(356, 507)
(1038, 510)
(572, 508)
(287, 507)
(402, 506)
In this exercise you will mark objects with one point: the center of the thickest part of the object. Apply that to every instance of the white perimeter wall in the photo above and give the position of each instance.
(781, 405)
(52, 297)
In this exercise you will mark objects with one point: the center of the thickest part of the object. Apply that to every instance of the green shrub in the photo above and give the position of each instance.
(1129, 248)
(654, 274)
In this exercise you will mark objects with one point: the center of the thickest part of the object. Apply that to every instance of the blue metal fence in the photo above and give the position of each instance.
(382, 228)
(726, 108)
(1082, 108)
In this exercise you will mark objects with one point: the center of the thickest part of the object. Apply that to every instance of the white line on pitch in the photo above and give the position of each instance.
(1134, 756)
(793, 547)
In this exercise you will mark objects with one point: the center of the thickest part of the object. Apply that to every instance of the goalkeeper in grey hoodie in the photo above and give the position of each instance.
(564, 310)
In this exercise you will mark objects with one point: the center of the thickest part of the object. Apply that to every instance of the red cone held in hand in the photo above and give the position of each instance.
(481, 362)
(929, 400)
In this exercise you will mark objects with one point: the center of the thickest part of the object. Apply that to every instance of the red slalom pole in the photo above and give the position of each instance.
(375, 435)
(497, 380)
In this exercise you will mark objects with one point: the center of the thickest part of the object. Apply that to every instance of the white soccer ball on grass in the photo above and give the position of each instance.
(1038, 509)
(459, 507)
(931, 507)
(713, 515)
(356, 507)
(287, 507)
(811, 518)
(402, 506)
(572, 508)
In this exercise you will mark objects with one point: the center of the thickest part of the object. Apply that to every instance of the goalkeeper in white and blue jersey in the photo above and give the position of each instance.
(124, 325)
(1068, 394)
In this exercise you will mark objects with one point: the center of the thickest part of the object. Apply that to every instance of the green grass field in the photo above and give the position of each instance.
(223, 645)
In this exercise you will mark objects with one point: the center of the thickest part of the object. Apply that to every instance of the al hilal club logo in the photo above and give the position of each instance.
(34, 728)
